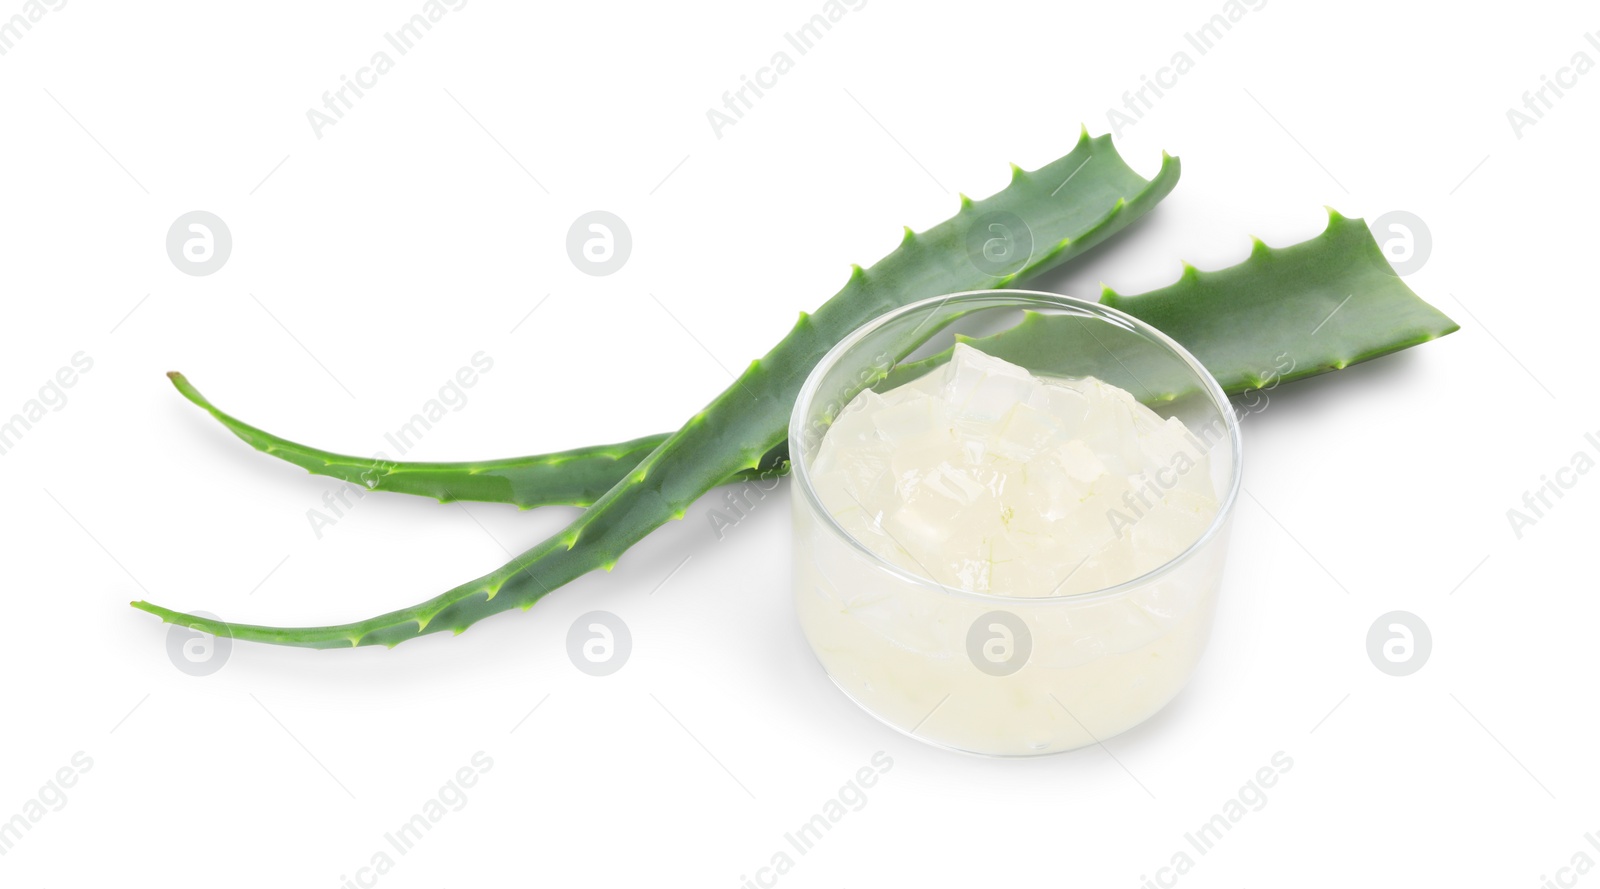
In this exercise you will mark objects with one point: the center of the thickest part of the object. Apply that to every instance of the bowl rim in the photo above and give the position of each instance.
(1209, 384)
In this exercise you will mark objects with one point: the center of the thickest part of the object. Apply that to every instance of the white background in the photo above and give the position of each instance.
(427, 224)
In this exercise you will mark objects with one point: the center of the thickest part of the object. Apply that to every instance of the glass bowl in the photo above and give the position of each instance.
(1009, 675)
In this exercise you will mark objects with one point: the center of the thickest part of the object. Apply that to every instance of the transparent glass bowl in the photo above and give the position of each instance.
(1001, 675)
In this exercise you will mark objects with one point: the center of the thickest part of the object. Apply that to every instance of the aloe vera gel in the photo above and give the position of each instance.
(1008, 562)
(984, 477)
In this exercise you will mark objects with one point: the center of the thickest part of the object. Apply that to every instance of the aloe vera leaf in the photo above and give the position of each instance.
(1243, 322)
(1074, 203)
(1322, 305)
(579, 476)
(1282, 314)
(575, 477)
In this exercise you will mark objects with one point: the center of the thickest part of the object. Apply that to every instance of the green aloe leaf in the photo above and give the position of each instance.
(1326, 304)
(1283, 314)
(576, 477)
(1071, 205)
